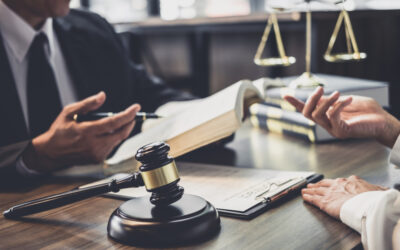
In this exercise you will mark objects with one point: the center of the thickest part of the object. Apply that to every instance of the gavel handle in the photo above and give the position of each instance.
(58, 200)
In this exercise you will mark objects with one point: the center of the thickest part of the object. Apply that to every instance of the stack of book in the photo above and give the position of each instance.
(277, 115)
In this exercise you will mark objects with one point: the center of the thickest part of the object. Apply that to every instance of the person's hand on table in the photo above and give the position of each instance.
(345, 117)
(329, 195)
(67, 142)
(349, 116)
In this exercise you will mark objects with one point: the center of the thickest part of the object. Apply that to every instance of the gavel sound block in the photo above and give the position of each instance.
(171, 217)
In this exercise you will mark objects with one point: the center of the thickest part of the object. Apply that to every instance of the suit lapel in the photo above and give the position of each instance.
(81, 51)
(75, 54)
(12, 122)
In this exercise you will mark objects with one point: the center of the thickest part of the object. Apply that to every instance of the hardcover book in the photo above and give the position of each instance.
(287, 122)
(345, 85)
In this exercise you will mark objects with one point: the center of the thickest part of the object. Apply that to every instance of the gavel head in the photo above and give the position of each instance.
(159, 173)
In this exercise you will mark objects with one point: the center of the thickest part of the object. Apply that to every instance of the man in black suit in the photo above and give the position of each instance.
(55, 63)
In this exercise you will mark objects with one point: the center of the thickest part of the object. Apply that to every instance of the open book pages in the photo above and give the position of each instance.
(228, 188)
(200, 123)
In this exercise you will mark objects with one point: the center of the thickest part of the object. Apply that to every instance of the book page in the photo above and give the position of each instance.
(196, 114)
(229, 188)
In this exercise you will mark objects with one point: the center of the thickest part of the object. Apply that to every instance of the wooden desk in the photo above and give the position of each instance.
(291, 225)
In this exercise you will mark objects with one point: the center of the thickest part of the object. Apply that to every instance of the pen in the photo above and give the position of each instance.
(286, 191)
(140, 116)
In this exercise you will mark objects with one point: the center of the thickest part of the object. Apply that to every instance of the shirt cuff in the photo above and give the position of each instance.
(355, 209)
(24, 170)
(395, 153)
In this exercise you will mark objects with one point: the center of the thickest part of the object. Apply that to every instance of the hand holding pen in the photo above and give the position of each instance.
(67, 142)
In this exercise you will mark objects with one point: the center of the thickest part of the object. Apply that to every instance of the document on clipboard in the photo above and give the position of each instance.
(235, 192)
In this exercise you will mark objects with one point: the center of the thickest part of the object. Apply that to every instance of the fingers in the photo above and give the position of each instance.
(299, 105)
(354, 177)
(319, 115)
(108, 142)
(322, 183)
(313, 199)
(91, 103)
(340, 126)
(120, 135)
(334, 112)
(325, 111)
(111, 124)
(107, 133)
(315, 192)
(312, 102)
(317, 106)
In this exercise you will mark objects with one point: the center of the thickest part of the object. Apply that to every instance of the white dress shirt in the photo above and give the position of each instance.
(17, 37)
(375, 214)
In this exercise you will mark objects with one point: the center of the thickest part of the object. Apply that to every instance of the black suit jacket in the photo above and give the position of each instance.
(96, 60)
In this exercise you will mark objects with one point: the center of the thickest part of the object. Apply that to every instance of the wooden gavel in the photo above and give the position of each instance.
(158, 174)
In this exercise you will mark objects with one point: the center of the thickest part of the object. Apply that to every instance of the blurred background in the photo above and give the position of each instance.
(202, 46)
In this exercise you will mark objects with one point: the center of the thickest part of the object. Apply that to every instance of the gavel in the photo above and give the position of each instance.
(169, 217)
(158, 174)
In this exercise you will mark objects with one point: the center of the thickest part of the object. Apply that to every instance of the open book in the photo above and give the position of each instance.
(200, 123)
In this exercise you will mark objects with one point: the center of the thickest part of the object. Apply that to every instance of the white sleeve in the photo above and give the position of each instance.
(374, 215)
(396, 237)
(395, 153)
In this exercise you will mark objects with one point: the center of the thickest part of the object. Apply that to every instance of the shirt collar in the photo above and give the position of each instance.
(19, 35)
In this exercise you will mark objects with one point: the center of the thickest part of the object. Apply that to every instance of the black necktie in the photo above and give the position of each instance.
(44, 103)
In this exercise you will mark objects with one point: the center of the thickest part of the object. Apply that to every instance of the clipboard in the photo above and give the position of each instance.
(269, 203)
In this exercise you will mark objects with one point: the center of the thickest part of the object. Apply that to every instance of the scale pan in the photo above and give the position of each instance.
(344, 57)
(275, 61)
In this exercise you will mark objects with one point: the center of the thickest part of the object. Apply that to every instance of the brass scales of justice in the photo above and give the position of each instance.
(307, 79)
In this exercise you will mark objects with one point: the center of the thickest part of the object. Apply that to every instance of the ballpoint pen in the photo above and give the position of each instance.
(140, 116)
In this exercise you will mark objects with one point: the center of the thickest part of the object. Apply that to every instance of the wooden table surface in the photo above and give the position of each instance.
(291, 225)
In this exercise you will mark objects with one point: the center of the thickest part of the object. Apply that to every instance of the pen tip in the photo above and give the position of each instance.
(7, 213)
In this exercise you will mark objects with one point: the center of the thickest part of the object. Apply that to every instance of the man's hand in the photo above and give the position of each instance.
(67, 142)
(349, 117)
(329, 195)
